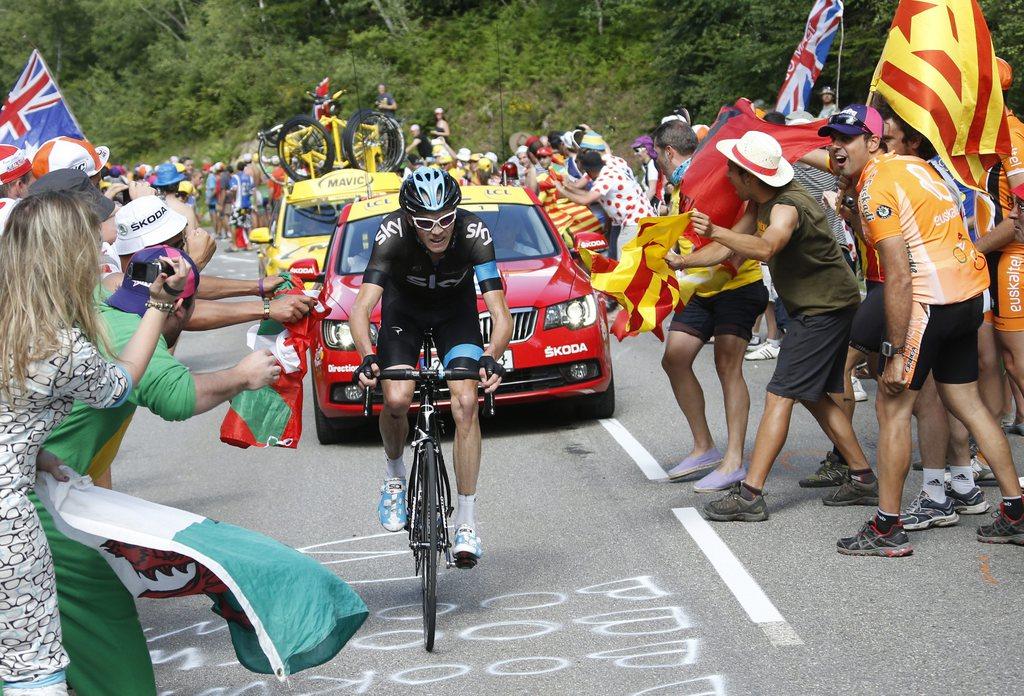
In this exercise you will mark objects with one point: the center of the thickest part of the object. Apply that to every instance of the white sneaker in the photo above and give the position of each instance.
(982, 471)
(755, 342)
(858, 390)
(467, 549)
(767, 351)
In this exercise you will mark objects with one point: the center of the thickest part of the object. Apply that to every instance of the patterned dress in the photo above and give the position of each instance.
(30, 645)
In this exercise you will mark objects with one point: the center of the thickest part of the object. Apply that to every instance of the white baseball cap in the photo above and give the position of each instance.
(6, 206)
(463, 154)
(761, 155)
(145, 222)
(247, 157)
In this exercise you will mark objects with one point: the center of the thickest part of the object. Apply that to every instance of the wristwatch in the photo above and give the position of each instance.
(266, 308)
(889, 350)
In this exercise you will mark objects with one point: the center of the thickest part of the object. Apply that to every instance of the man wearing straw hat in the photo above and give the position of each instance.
(785, 228)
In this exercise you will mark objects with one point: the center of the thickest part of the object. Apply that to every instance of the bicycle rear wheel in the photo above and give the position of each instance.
(305, 148)
(428, 522)
(373, 135)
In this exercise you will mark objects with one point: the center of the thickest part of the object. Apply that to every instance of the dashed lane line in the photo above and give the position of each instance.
(743, 587)
(648, 464)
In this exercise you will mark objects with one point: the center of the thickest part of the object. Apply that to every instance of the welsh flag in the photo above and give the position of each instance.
(285, 612)
(272, 416)
(642, 282)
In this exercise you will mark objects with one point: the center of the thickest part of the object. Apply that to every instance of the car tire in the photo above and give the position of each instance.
(599, 405)
(333, 431)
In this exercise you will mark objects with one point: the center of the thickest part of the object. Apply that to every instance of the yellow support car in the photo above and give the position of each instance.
(308, 215)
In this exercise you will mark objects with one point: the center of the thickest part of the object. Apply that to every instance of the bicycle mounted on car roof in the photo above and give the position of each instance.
(311, 146)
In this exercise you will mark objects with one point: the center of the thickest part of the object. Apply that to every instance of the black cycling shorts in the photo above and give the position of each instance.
(455, 323)
(869, 322)
(729, 312)
(942, 340)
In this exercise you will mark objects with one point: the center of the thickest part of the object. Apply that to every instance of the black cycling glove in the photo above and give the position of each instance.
(366, 367)
(491, 366)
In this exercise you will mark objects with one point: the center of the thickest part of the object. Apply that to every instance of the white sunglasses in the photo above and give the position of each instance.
(427, 224)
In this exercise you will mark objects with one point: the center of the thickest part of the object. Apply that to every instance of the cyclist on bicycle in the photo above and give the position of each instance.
(423, 266)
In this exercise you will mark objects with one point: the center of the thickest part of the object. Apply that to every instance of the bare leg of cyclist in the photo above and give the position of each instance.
(467, 548)
(466, 412)
(393, 507)
(394, 422)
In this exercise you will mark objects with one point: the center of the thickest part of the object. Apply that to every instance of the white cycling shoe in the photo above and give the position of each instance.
(467, 549)
(392, 509)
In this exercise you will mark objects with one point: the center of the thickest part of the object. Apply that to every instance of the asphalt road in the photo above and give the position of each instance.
(591, 583)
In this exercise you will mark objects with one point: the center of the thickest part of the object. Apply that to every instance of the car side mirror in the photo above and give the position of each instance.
(591, 241)
(306, 270)
(260, 235)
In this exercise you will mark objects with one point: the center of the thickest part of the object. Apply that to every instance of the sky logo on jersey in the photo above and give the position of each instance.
(389, 229)
(478, 230)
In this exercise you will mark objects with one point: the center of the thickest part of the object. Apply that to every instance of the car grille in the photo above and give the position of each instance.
(524, 323)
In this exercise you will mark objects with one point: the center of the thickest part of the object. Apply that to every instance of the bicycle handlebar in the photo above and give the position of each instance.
(408, 374)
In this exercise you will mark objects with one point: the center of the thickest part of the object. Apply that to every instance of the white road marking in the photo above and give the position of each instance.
(746, 590)
(648, 464)
(369, 582)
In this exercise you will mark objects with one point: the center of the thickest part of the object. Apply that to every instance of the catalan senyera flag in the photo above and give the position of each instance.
(938, 72)
(642, 282)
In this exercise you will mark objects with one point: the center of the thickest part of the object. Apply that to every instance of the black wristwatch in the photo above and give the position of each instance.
(889, 350)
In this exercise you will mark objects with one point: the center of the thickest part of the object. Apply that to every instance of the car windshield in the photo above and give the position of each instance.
(518, 231)
(311, 220)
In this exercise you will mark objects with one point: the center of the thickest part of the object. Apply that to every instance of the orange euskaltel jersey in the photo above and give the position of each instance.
(904, 196)
(998, 183)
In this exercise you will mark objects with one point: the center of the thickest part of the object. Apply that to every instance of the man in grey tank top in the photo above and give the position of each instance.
(786, 228)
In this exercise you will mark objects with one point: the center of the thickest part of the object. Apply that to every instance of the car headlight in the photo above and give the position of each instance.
(338, 335)
(574, 314)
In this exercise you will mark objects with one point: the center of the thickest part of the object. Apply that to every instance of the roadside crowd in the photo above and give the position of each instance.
(98, 286)
(102, 267)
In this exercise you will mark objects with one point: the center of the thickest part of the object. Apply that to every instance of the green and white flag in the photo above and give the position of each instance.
(285, 611)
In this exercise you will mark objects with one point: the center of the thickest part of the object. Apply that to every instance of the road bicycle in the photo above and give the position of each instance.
(429, 491)
(311, 146)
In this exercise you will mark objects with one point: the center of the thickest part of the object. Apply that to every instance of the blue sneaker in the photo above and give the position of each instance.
(468, 549)
(392, 510)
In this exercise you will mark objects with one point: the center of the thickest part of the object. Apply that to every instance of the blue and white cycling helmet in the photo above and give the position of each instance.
(428, 190)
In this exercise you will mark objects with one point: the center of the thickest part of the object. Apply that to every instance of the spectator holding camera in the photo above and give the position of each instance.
(49, 338)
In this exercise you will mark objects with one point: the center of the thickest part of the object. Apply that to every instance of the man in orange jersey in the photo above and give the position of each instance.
(934, 280)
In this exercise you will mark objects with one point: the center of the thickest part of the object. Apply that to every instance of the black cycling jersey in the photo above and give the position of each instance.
(399, 256)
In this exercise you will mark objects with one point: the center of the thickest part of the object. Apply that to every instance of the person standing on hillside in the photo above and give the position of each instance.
(441, 128)
(828, 102)
(385, 102)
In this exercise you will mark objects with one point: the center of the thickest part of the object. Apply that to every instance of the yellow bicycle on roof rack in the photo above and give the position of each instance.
(311, 146)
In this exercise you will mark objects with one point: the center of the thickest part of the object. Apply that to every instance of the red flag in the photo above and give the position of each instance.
(705, 185)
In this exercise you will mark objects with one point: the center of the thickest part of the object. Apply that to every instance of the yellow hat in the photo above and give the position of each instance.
(186, 187)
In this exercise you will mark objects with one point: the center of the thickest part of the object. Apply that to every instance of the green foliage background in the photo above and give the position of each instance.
(153, 77)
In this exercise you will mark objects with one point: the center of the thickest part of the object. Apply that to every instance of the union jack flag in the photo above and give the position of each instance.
(810, 54)
(35, 110)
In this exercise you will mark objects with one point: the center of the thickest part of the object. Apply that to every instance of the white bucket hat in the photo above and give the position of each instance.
(761, 155)
(463, 154)
(145, 222)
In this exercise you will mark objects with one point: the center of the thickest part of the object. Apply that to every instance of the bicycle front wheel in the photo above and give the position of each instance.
(428, 521)
(305, 149)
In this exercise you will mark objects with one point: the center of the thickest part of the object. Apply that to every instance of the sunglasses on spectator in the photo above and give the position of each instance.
(846, 119)
(427, 224)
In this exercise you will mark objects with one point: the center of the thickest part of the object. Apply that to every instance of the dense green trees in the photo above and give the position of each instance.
(151, 76)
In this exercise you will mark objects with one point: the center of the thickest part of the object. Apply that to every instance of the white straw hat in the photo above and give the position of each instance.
(761, 155)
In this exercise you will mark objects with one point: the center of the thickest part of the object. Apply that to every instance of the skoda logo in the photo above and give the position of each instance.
(122, 230)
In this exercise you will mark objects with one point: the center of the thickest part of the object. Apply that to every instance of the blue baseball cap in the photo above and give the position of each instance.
(167, 174)
(133, 295)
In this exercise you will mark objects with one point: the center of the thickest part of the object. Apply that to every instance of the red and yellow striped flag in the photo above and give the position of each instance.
(642, 282)
(938, 72)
